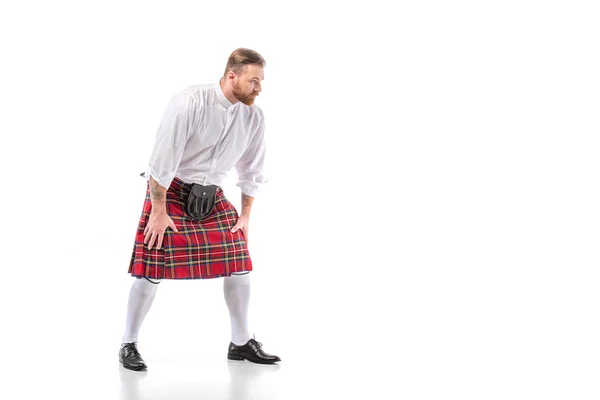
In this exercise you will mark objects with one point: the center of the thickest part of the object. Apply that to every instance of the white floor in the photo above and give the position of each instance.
(331, 346)
(185, 378)
(88, 368)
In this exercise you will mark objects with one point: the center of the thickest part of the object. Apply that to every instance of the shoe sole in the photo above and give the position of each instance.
(241, 358)
(132, 368)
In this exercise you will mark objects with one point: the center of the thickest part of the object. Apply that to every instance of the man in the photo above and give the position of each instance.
(206, 130)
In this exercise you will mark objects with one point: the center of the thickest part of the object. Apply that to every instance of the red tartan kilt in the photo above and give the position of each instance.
(201, 249)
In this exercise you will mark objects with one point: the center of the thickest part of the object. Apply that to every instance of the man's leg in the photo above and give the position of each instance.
(141, 297)
(236, 289)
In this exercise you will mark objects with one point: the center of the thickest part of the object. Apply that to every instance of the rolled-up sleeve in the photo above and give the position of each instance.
(250, 167)
(170, 141)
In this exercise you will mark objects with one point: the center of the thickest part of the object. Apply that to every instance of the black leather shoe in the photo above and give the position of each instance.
(251, 351)
(130, 357)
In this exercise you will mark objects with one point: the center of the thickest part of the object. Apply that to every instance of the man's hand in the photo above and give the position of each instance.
(155, 229)
(242, 223)
(159, 219)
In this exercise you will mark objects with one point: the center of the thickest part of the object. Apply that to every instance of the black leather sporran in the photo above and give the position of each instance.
(201, 200)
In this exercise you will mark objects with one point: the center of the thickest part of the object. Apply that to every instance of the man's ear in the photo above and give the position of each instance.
(231, 76)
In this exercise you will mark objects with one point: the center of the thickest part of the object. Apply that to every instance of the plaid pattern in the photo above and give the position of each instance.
(201, 249)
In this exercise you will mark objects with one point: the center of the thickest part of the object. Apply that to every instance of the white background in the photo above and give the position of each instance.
(430, 227)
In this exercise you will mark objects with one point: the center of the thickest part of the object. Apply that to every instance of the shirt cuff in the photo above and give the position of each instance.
(164, 180)
(251, 188)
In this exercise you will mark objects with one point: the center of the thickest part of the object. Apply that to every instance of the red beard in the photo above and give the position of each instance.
(247, 99)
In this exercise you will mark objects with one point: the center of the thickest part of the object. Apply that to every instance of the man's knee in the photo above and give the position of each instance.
(237, 279)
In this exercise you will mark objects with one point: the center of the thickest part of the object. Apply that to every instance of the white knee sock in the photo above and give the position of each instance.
(237, 296)
(141, 296)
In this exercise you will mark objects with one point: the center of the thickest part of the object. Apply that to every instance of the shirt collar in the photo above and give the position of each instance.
(221, 96)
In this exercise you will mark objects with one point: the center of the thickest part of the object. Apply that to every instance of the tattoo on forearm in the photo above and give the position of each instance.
(246, 200)
(156, 192)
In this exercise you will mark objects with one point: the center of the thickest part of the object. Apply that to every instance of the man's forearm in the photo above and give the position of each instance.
(158, 195)
(246, 204)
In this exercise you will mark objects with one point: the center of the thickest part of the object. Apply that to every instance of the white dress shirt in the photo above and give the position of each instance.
(203, 135)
